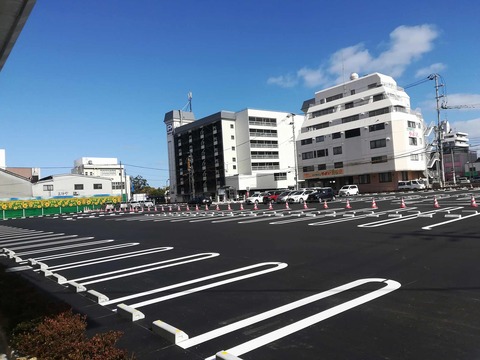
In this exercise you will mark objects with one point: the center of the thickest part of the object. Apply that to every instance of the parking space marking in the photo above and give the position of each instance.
(405, 218)
(24, 235)
(390, 285)
(36, 240)
(63, 247)
(276, 266)
(196, 340)
(48, 243)
(88, 251)
(109, 258)
(135, 270)
(356, 217)
(430, 227)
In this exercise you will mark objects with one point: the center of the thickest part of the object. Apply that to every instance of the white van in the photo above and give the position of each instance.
(411, 185)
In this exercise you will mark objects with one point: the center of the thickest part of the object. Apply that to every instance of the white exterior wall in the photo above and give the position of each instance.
(106, 168)
(229, 156)
(14, 187)
(356, 153)
(64, 185)
(2, 159)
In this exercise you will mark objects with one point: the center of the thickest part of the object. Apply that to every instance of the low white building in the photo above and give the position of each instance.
(105, 168)
(69, 185)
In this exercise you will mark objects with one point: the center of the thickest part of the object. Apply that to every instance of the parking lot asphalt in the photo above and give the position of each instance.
(351, 281)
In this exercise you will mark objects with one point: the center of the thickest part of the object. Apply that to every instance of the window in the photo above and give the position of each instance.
(253, 120)
(379, 159)
(320, 138)
(338, 165)
(232, 137)
(308, 155)
(233, 148)
(280, 176)
(364, 179)
(374, 144)
(78, 186)
(322, 153)
(234, 159)
(352, 92)
(47, 187)
(350, 118)
(308, 168)
(349, 105)
(385, 177)
(334, 97)
(234, 167)
(231, 126)
(414, 157)
(352, 133)
(322, 166)
(97, 186)
(376, 127)
(411, 124)
(336, 135)
(322, 112)
(337, 150)
(412, 141)
(306, 141)
(378, 97)
(266, 166)
(379, 112)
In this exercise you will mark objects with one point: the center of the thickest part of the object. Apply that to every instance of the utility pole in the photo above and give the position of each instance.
(294, 149)
(439, 134)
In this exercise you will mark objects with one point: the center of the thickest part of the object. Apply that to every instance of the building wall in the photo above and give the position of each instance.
(361, 132)
(72, 185)
(106, 168)
(12, 186)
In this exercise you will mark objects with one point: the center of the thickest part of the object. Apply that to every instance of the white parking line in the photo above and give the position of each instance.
(36, 240)
(430, 227)
(390, 285)
(44, 243)
(170, 263)
(22, 235)
(405, 218)
(64, 247)
(277, 266)
(109, 258)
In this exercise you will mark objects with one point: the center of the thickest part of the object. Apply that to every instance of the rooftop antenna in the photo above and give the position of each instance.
(189, 103)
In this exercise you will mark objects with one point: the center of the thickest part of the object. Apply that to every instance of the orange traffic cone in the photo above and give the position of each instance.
(286, 205)
(473, 203)
(206, 207)
(305, 206)
(188, 208)
(435, 202)
(325, 205)
(374, 204)
(217, 208)
(178, 208)
(163, 209)
(196, 207)
(402, 204)
(241, 206)
(170, 208)
(229, 208)
(348, 206)
(270, 206)
(255, 207)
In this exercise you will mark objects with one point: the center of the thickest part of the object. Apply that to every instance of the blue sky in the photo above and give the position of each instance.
(95, 78)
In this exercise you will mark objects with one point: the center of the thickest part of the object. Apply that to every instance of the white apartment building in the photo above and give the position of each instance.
(104, 168)
(361, 132)
(227, 153)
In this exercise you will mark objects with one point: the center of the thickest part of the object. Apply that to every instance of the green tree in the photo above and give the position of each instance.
(139, 184)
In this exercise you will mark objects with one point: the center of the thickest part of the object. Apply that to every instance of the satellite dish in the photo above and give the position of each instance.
(353, 76)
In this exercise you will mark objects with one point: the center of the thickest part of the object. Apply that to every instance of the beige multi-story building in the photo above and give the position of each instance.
(361, 132)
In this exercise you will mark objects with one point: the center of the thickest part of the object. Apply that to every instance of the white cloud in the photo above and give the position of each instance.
(407, 44)
(464, 99)
(285, 81)
(432, 69)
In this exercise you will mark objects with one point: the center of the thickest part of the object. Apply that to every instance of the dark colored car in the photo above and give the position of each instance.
(200, 200)
(321, 195)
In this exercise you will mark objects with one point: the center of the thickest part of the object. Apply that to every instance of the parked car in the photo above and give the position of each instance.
(323, 194)
(411, 185)
(256, 199)
(299, 196)
(463, 180)
(348, 190)
(273, 195)
(200, 200)
(282, 198)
